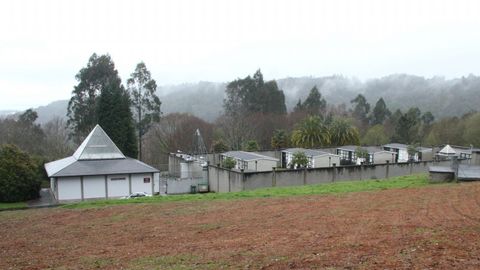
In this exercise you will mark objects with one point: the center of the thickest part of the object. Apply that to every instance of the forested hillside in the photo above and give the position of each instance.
(438, 95)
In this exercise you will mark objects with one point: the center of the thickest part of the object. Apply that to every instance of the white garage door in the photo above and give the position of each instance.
(69, 188)
(93, 187)
(117, 186)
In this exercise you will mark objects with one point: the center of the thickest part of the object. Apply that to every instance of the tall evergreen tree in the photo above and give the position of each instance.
(253, 95)
(92, 79)
(247, 99)
(299, 106)
(361, 109)
(145, 101)
(272, 99)
(115, 117)
(406, 130)
(314, 104)
(428, 118)
(380, 112)
(27, 135)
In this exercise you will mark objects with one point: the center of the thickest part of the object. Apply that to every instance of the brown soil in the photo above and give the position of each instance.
(437, 227)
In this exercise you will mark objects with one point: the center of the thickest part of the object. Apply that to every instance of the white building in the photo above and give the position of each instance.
(448, 151)
(98, 169)
(375, 155)
(250, 161)
(186, 166)
(421, 153)
(400, 149)
(316, 158)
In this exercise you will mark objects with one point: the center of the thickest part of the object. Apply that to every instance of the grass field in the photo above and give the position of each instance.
(17, 205)
(409, 181)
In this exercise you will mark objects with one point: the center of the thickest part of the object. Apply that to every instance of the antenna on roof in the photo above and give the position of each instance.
(199, 148)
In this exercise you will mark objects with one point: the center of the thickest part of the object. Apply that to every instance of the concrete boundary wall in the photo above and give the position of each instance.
(223, 180)
(181, 186)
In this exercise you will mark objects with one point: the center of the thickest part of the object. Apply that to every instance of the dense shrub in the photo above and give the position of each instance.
(219, 146)
(229, 163)
(19, 175)
(251, 146)
(299, 160)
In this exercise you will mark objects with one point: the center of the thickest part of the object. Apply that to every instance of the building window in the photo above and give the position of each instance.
(146, 180)
(117, 178)
(343, 154)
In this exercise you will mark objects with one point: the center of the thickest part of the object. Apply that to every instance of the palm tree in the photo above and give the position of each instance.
(311, 132)
(280, 139)
(343, 133)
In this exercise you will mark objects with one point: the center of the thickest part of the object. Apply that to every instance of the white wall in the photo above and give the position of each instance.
(69, 188)
(156, 177)
(402, 155)
(139, 186)
(93, 187)
(263, 165)
(326, 161)
(53, 187)
(382, 157)
(118, 188)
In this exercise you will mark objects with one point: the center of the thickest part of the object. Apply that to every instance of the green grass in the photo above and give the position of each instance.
(410, 181)
(17, 205)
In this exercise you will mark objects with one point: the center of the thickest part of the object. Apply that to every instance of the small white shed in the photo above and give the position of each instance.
(98, 169)
(401, 150)
(250, 161)
(376, 155)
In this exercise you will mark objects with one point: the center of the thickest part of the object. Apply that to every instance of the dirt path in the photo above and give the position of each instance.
(437, 227)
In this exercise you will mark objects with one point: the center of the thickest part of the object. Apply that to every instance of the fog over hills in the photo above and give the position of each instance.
(443, 97)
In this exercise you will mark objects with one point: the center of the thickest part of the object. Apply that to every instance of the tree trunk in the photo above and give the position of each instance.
(139, 132)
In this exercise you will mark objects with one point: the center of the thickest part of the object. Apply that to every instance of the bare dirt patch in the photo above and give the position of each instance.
(436, 227)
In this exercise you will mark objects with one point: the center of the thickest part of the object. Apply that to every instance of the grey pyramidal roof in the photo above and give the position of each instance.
(97, 145)
(97, 155)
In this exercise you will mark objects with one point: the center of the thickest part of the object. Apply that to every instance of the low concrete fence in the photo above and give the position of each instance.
(182, 186)
(222, 180)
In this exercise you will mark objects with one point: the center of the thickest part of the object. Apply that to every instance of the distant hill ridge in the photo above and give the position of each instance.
(452, 97)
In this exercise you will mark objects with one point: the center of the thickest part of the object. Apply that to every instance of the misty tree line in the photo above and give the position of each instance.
(254, 118)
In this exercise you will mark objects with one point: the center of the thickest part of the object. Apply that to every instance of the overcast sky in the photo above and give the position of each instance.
(43, 44)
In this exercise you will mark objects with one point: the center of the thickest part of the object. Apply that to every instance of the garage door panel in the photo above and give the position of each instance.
(118, 186)
(93, 187)
(69, 188)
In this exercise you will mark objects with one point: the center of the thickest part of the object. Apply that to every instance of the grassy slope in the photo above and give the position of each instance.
(17, 205)
(330, 188)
